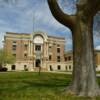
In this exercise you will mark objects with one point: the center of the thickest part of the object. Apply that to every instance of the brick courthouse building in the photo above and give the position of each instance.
(39, 49)
(34, 50)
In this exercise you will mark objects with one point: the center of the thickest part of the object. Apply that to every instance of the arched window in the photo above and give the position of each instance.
(38, 39)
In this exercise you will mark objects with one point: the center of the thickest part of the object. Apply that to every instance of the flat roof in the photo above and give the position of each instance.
(18, 33)
(28, 34)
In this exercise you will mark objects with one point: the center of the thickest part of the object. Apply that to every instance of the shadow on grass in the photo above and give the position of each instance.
(56, 83)
(45, 82)
(42, 84)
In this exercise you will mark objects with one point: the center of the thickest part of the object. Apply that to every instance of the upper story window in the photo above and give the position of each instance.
(58, 50)
(14, 55)
(69, 58)
(58, 58)
(13, 47)
(38, 39)
(25, 55)
(50, 57)
(14, 42)
(38, 48)
(25, 46)
(65, 58)
(58, 45)
(50, 48)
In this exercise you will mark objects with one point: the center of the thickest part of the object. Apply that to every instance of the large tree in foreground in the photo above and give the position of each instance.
(81, 24)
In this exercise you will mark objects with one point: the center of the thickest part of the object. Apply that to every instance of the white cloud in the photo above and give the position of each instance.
(24, 14)
(1, 39)
(97, 47)
(22, 17)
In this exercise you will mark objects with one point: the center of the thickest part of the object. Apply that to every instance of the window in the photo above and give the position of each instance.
(25, 68)
(59, 67)
(58, 50)
(50, 57)
(38, 39)
(69, 58)
(13, 47)
(50, 48)
(69, 67)
(25, 45)
(54, 43)
(14, 55)
(65, 58)
(13, 67)
(14, 42)
(58, 45)
(38, 48)
(51, 69)
(66, 68)
(25, 55)
(58, 58)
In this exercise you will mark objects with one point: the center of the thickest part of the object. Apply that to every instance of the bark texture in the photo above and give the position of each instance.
(81, 24)
(84, 76)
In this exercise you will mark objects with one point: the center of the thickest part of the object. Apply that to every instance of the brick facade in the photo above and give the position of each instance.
(69, 59)
(40, 50)
(34, 50)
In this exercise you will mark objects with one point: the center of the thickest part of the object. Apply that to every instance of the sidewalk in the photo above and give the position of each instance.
(98, 75)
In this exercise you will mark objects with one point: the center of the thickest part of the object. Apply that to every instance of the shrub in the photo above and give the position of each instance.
(26, 69)
(4, 69)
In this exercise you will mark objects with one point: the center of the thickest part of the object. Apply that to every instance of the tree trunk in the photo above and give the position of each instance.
(84, 75)
(81, 24)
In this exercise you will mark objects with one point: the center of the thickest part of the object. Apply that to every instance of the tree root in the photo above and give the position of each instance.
(70, 90)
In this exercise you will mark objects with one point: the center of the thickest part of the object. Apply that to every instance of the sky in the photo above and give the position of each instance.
(26, 16)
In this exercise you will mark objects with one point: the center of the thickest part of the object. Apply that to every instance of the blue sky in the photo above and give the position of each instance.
(26, 16)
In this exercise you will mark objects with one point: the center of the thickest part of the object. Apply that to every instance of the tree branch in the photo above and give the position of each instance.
(59, 15)
(88, 8)
(92, 7)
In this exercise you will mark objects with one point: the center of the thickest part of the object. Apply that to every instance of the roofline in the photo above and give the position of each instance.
(18, 33)
(56, 37)
(15, 33)
(70, 51)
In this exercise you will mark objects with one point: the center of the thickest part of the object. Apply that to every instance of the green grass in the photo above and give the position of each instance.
(31, 86)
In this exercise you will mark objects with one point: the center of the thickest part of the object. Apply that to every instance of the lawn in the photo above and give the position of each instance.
(31, 86)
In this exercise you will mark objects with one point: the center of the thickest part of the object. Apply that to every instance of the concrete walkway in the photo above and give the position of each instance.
(55, 72)
(61, 72)
(98, 75)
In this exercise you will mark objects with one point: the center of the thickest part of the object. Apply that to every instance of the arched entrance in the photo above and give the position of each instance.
(38, 63)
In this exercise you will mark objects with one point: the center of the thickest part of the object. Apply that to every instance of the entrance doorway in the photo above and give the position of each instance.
(51, 68)
(38, 62)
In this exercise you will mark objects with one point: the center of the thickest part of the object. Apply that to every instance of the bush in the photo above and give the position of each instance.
(4, 69)
(26, 69)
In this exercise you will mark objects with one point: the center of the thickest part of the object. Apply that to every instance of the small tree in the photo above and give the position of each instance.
(6, 58)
